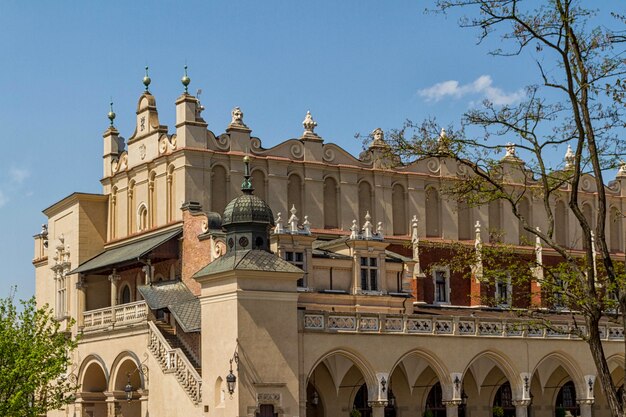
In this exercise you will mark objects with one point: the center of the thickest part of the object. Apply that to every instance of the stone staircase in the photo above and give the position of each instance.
(169, 334)
(173, 359)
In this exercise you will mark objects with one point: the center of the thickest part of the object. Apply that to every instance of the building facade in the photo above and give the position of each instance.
(215, 277)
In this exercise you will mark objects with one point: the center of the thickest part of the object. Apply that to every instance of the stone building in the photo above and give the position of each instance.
(215, 277)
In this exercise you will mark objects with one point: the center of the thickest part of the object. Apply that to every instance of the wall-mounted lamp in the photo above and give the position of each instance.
(526, 382)
(457, 383)
(463, 398)
(383, 383)
(231, 379)
(128, 389)
(590, 383)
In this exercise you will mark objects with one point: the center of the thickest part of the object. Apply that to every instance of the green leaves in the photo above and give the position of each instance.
(34, 357)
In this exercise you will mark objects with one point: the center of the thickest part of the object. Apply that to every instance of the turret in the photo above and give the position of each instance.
(113, 144)
(190, 126)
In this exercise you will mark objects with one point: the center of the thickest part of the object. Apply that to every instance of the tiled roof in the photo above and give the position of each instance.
(163, 294)
(249, 260)
(187, 314)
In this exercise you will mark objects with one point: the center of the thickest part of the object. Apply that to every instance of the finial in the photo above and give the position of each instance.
(622, 169)
(570, 158)
(111, 114)
(293, 220)
(306, 226)
(368, 226)
(237, 117)
(308, 123)
(185, 80)
(354, 230)
(510, 150)
(279, 225)
(246, 185)
(146, 80)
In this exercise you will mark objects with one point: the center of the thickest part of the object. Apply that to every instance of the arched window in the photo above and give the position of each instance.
(524, 212)
(504, 399)
(566, 399)
(294, 194)
(142, 217)
(588, 215)
(398, 205)
(170, 197)
(464, 220)
(433, 222)
(113, 212)
(615, 228)
(125, 296)
(219, 190)
(152, 203)
(131, 207)
(434, 402)
(258, 183)
(361, 402)
(331, 210)
(495, 221)
(560, 223)
(365, 201)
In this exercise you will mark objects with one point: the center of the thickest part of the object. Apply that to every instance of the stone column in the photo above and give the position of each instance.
(114, 278)
(378, 408)
(144, 405)
(452, 408)
(585, 407)
(78, 409)
(521, 407)
(111, 406)
(81, 300)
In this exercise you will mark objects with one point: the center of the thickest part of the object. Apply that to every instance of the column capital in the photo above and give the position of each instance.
(377, 403)
(520, 403)
(451, 403)
(586, 401)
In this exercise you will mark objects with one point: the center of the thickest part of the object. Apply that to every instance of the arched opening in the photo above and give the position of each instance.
(142, 218)
(365, 201)
(504, 400)
(361, 402)
(125, 296)
(331, 212)
(398, 205)
(294, 194)
(219, 189)
(524, 213)
(93, 385)
(170, 203)
(433, 213)
(615, 228)
(434, 402)
(495, 221)
(128, 373)
(464, 220)
(566, 400)
(152, 203)
(258, 183)
(560, 223)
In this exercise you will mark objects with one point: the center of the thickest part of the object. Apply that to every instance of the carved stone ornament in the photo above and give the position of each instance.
(142, 151)
(237, 118)
(379, 138)
(308, 123)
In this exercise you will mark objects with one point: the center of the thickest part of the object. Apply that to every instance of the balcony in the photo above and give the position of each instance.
(122, 315)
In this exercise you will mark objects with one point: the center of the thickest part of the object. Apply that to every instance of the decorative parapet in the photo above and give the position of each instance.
(367, 232)
(330, 322)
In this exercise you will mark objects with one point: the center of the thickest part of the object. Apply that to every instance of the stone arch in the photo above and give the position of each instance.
(142, 217)
(365, 367)
(365, 201)
(504, 363)
(549, 363)
(259, 183)
(437, 365)
(615, 229)
(398, 209)
(464, 220)
(560, 223)
(219, 188)
(127, 361)
(433, 212)
(331, 207)
(125, 293)
(294, 192)
(88, 364)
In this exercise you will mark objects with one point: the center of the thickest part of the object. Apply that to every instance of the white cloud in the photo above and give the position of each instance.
(483, 86)
(18, 175)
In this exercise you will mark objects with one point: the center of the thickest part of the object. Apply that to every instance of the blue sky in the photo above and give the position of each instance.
(356, 65)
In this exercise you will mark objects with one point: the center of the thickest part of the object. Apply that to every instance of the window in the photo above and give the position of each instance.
(142, 221)
(61, 296)
(432, 213)
(442, 286)
(369, 274)
(125, 298)
(504, 291)
(297, 259)
(559, 289)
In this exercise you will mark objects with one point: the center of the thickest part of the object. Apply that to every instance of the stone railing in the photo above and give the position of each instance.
(175, 361)
(120, 315)
(442, 325)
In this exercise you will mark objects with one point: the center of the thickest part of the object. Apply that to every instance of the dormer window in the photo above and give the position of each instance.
(369, 274)
(297, 259)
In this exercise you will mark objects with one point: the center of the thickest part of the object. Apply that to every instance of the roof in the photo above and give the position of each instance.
(127, 252)
(248, 260)
(393, 256)
(247, 208)
(187, 314)
(163, 294)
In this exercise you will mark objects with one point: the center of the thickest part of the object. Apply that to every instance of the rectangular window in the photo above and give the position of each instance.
(559, 301)
(504, 291)
(442, 286)
(369, 274)
(297, 259)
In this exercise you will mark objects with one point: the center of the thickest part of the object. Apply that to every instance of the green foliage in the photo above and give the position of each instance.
(355, 413)
(34, 356)
(560, 412)
(428, 413)
(498, 411)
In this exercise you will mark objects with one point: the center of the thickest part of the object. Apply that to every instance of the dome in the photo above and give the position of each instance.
(248, 208)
